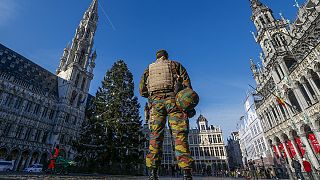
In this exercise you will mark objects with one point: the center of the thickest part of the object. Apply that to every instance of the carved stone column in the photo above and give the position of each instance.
(308, 92)
(309, 151)
(278, 116)
(280, 113)
(313, 86)
(28, 161)
(272, 116)
(301, 100)
(287, 153)
(295, 147)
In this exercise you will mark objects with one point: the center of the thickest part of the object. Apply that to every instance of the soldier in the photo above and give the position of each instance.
(161, 83)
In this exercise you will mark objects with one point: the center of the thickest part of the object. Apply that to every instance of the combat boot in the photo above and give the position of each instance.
(187, 174)
(154, 174)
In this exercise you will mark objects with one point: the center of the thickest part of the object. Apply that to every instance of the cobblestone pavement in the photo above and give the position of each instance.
(87, 177)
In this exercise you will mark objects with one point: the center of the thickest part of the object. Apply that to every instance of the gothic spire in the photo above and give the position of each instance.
(257, 6)
(80, 51)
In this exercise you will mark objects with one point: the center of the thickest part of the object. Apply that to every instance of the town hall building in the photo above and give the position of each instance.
(39, 109)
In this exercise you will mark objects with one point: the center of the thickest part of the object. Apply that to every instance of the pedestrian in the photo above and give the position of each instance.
(167, 86)
(272, 173)
(297, 168)
(54, 156)
(307, 167)
(252, 169)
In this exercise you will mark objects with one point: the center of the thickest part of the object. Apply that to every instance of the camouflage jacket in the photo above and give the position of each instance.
(180, 70)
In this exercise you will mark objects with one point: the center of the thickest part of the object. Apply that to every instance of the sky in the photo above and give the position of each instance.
(211, 38)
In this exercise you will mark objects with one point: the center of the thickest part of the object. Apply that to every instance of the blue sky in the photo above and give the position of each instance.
(210, 38)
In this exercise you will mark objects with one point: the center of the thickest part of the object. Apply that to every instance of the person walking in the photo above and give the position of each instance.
(252, 168)
(297, 168)
(54, 156)
(307, 167)
(167, 86)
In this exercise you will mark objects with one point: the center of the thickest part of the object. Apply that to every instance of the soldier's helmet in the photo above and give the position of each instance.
(187, 99)
(161, 53)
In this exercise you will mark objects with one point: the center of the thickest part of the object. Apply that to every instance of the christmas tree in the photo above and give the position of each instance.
(114, 128)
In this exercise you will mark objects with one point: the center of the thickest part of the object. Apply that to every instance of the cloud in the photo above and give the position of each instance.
(8, 10)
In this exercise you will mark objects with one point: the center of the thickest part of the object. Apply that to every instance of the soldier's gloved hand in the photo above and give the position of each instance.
(191, 113)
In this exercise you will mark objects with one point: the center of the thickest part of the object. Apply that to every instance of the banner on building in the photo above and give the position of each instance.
(314, 143)
(299, 143)
(290, 147)
(275, 151)
(282, 151)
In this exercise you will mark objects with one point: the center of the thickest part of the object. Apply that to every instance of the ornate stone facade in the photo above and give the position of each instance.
(39, 109)
(291, 70)
(253, 143)
(206, 145)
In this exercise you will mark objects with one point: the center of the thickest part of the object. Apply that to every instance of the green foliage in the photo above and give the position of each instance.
(112, 134)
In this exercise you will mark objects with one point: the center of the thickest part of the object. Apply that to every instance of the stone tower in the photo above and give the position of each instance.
(78, 60)
(75, 73)
(273, 37)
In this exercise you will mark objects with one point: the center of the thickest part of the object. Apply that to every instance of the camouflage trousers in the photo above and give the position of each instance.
(161, 107)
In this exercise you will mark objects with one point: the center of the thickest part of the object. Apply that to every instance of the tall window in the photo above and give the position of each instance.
(201, 151)
(7, 130)
(210, 139)
(37, 135)
(67, 118)
(221, 151)
(76, 82)
(44, 112)
(212, 151)
(219, 138)
(215, 139)
(196, 151)
(44, 137)
(28, 134)
(195, 138)
(36, 109)
(190, 139)
(18, 103)
(51, 114)
(192, 151)
(216, 149)
(19, 131)
(83, 84)
(206, 151)
(28, 106)
(9, 100)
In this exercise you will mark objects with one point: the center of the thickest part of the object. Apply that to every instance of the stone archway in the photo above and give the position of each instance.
(34, 158)
(14, 154)
(3, 153)
(23, 160)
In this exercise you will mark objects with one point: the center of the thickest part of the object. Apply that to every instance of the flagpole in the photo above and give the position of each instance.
(286, 103)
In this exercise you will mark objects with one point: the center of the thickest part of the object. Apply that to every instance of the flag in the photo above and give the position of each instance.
(281, 101)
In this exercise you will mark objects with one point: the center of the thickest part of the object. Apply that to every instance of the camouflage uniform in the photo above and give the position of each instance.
(163, 104)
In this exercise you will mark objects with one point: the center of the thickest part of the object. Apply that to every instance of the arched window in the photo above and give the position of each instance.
(294, 101)
(262, 20)
(315, 78)
(290, 63)
(73, 97)
(83, 84)
(304, 93)
(80, 99)
(317, 34)
(76, 82)
(282, 111)
(82, 57)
